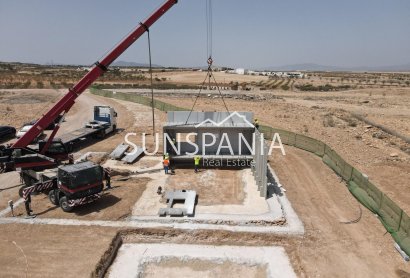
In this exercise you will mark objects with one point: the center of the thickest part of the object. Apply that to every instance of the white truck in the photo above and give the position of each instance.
(103, 123)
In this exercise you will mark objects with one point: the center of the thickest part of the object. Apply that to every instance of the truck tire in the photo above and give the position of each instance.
(64, 204)
(53, 197)
(102, 134)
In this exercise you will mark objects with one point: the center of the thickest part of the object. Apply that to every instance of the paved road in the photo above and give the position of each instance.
(80, 113)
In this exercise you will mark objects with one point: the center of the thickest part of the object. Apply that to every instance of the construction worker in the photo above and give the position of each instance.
(256, 123)
(70, 158)
(166, 164)
(197, 158)
(107, 177)
(27, 204)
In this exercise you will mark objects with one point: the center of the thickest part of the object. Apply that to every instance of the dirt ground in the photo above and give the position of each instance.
(197, 77)
(9, 188)
(33, 102)
(383, 157)
(115, 204)
(134, 118)
(216, 187)
(197, 268)
(329, 247)
(50, 251)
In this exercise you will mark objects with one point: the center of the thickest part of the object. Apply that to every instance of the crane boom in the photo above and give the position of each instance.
(68, 100)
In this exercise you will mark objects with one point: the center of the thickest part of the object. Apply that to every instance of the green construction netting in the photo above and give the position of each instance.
(363, 197)
(390, 213)
(160, 105)
(287, 137)
(402, 236)
(394, 219)
(337, 163)
(309, 144)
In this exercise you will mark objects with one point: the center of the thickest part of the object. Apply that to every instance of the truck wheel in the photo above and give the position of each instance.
(64, 204)
(53, 197)
(101, 134)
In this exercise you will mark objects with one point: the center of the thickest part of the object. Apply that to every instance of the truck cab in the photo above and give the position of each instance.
(104, 116)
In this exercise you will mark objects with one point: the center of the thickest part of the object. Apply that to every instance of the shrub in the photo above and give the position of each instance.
(328, 121)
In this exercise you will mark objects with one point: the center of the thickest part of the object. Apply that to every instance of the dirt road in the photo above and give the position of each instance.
(81, 112)
(330, 248)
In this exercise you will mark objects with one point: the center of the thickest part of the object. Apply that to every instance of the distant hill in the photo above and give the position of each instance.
(317, 67)
(133, 64)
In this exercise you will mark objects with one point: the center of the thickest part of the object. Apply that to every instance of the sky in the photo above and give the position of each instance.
(250, 34)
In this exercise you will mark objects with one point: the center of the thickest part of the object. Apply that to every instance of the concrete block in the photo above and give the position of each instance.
(189, 198)
(131, 158)
(119, 151)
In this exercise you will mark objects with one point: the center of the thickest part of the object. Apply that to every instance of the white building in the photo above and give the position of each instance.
(241, 71)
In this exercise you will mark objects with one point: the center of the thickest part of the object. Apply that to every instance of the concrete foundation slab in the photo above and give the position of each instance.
(132, 258)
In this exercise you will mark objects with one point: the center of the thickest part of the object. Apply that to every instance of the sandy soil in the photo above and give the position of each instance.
(358, 143)
(134, 118)
(198, 268)
(214, 187)
(18, 107)
(115, 204)
(50, 251)
(9, 188)
(236, 197)
(197, 77)
(330, 248)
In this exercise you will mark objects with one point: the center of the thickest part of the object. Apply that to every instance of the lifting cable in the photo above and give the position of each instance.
(209, 75)
(355, 220)
(208, 11)
(152, 83)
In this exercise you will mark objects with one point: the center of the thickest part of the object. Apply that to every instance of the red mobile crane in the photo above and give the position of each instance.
(62, 184)
(25, 158)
